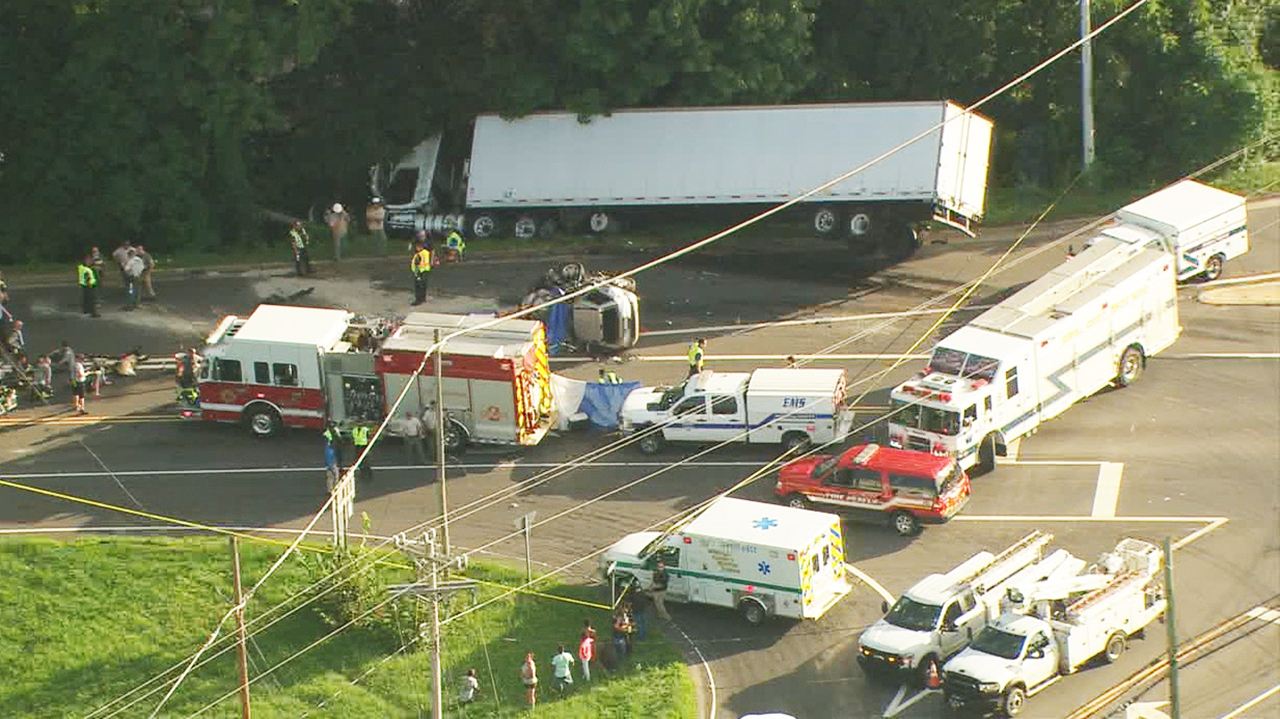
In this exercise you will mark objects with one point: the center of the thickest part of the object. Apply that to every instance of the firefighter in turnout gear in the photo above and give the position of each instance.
(88, 281)
(359, 442)
(421, 267)
(697, 352)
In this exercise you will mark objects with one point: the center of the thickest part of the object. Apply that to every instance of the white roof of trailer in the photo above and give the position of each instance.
(279, 324)
(769, 525)
(1183, 206)
(795, 380)
(411, 339)
(429, 321)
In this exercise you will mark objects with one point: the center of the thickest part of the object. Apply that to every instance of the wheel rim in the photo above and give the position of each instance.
(599, 221)
(484, 226)
(903, 524)
(526, 228)
(794, 442)
(753, 613)
(797, 503)
(824, 221)
(1014, 704)
(262, 423)
(649, 445)
(860, 224)
(1215, 268)
(1129, 370)
(1115, 648)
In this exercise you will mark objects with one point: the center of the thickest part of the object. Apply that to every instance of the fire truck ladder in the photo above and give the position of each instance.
(1004, 564)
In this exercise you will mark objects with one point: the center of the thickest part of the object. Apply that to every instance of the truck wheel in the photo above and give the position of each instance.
(902, 243)
(485, 226)
(795, 441)
(987, 454)
(1014, 697)
(861, 225)
(651, 443)
(1130, 366)
(752, 611)
(455, 439)
(798, 501)
(1116, 644)
(526, 227)
(1213, 268)
(263, 422)
(601, 222)
(904, 523)
(826, 221)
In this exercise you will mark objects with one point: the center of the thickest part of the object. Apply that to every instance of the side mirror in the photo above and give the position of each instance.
(1036, 654)
(884, 607)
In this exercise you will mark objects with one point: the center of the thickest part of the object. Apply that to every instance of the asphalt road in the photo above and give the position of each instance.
(1198, 437)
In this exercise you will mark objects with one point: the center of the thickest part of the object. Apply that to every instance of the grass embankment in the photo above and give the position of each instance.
(89, 620)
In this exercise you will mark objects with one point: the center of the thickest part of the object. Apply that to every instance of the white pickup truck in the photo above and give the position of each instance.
(1050, 628)
(791, 407)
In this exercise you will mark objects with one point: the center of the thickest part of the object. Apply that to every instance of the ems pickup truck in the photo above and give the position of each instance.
(906, 488)
(791, 407)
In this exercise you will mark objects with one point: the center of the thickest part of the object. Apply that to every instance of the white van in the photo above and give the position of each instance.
(760, 559)
(791, 407)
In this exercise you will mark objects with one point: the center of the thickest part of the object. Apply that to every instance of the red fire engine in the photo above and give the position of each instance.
(302, 366)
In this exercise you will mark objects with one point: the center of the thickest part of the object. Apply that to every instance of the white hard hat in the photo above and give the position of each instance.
(337, 207)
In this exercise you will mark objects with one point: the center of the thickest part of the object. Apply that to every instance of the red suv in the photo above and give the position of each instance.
(909, 488)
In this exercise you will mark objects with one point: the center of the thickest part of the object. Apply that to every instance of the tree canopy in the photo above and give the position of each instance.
(176, 121)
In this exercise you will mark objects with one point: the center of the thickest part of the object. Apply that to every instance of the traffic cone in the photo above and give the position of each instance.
(931, 679)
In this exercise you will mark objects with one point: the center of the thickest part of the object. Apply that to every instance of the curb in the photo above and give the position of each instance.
(1258, 293)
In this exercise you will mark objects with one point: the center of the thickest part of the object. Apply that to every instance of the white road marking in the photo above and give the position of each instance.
(867, 580)
(809, 321)
(897, 705)
(1265, 614)
(1252, 703)
(711, 680)
(1107, 495)
(1222, 355)
(712, 359)
(1217, 522)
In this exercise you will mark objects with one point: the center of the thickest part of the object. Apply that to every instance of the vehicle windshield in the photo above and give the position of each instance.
(999, 643)
(963, 364)
(910, 614)
(930, 419)
(825, 465)
(947, 478)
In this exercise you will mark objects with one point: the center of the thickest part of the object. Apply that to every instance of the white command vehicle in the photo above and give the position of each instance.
(940, 614)
(760, 559)
(1090, 323)
(791, 407)
(1201, 226)
(1051, 628)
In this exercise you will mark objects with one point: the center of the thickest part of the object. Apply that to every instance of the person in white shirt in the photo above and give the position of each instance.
(133, 269)
(79, 378)
(470, 686)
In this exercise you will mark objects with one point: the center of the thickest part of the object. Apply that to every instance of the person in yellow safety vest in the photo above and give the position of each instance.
(359, 441)
(609, 377)
(88, 281)
(421, 267)
(455, 244)
(697, 352)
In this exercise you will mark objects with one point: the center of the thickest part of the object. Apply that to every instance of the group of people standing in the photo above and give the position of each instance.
(135, 265)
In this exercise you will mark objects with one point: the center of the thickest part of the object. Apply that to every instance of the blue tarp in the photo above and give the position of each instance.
(602, 402)
(559, 324)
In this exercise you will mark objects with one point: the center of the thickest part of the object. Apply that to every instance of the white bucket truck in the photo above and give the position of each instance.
(1090, 323)
(760, 559)
(1200, 226)
(942, 613)
(791, 407)
(1051, 628)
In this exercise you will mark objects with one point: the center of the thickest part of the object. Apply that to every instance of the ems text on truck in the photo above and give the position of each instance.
(532, 175)
(760, 559)
(287, 366)
(903, 488)
(1051, 627)
(791, 407)
(941, 613)
(1091, 322)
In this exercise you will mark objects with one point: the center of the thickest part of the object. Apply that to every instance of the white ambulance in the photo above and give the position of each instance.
(760, 559)
(791, 407)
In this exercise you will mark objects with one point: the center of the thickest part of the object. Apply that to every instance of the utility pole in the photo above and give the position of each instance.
(440, 430)
(429, 562)
(1171, 631)
(525, 525)
(240, 644)
(1086, 84)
